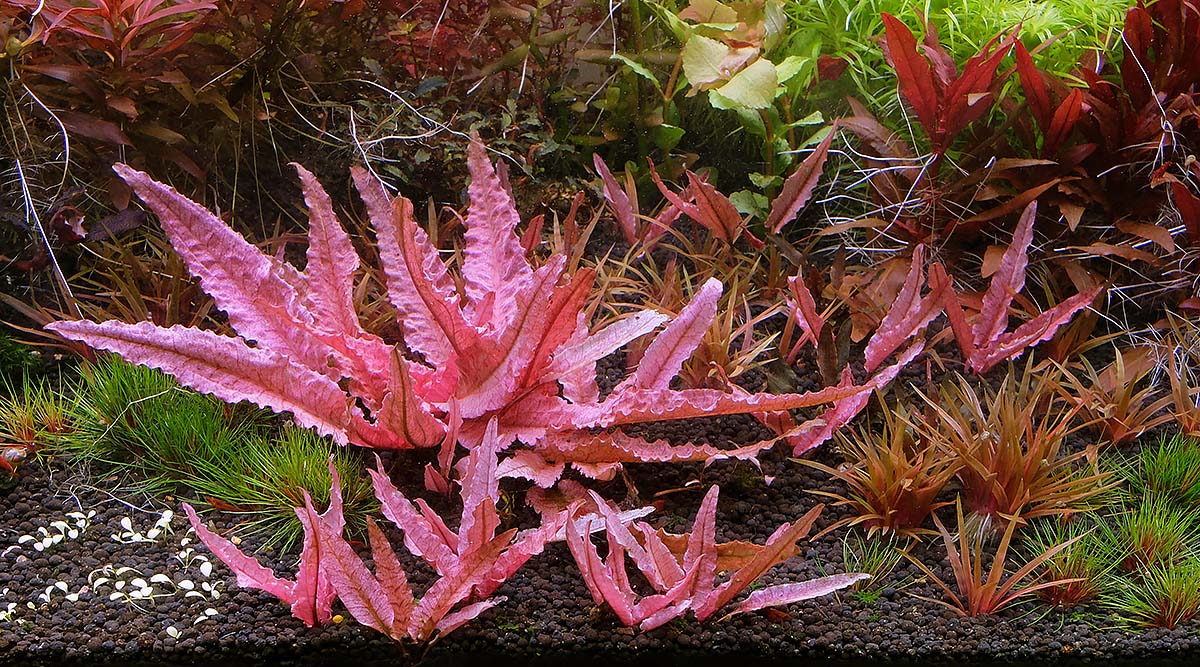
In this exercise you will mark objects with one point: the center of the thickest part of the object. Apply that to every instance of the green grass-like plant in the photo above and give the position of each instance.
(266, 477)
(163, 438)
(1169, 470)
(1152, 531)
(875, 556)
(1083, 567)
(1165, 595)
(32, 415)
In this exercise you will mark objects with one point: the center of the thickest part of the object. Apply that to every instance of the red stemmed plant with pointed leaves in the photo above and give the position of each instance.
(988, 342)
(511, 344)
(682, 569)
(635, 227)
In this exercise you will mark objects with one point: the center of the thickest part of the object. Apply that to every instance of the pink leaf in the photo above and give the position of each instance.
(250, 573)
(332, 261)
(225, 367)
(363, 595)
(494, 268)
(422, 538)
(798, 187)
(778, 545)
(774, 596)
(618, 201)
(404, 413)
(1007, 281)
(671, 348)
(391, 576)
(260, 303)
(479, 491)
(910, 313)
(419, 287)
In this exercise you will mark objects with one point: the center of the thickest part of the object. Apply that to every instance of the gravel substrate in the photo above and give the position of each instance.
(62, 605)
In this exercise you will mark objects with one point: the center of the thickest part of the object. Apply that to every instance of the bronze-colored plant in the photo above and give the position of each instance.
(894, 474)
(979, 592)
(1117, 400)
(1012, 445)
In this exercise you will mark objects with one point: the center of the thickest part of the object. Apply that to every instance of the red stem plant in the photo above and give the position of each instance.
(979, 592)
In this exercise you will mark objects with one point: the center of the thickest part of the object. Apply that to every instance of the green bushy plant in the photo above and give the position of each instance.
(167, 439)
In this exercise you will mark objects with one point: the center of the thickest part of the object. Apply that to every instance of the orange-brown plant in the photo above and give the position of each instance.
(1012, 444)
(979, 592)
(1117, 400)
(894, 475)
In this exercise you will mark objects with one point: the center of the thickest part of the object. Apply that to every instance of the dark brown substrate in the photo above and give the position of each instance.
(549, 617)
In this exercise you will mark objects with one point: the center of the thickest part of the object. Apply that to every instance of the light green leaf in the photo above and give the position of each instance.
(753, 88)
(679, 28)
(814, 118)
(748, 202)
(702, 59)
(637, 68)
(791, 66)
(763, 181)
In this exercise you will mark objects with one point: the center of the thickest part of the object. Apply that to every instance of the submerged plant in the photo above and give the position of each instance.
(1153, 531)
(684, 577)
(1169, 470)
(1082, 568)
(1164, 595)
(471, 562)
(502, 340)
(894, 475)
(978, 591)
(1012, 446)
(871, 556)
(32, 415)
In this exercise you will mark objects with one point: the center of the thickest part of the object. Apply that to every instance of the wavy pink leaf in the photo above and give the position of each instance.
(418, 285)
(494, 269)
(776, 596)
(224, 367)
(261, 304)
(671, 348)
(909, 314)
(622, 207)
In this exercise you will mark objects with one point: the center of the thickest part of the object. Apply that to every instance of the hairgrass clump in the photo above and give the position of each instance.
(1151, 532)
(164, 438)
(1082, 568)
(1165, 594)
(1168, 470)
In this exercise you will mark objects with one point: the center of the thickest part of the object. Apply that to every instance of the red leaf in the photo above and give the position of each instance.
(798, 188)
(913, 72)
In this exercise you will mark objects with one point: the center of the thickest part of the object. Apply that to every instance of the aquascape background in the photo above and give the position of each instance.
(801, 331)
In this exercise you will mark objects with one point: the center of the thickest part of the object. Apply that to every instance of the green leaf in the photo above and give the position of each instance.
(752, 88)
(702, 59)
(637, 68)
(749, 203)
(763, 181)
(666, 137)
(791, 66)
